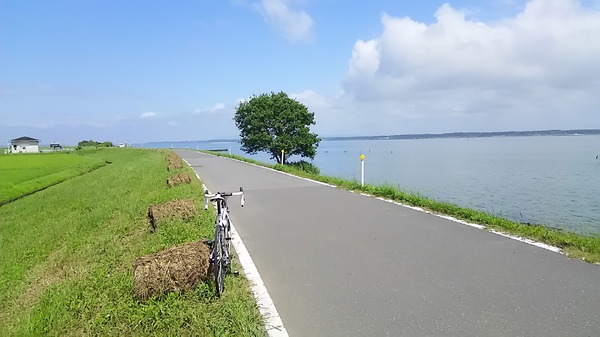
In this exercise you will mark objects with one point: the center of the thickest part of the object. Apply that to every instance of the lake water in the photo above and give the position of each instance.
(550, 180)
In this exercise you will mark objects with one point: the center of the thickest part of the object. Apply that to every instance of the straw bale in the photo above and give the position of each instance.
(179, 268)
(178, 179)
(175, 161)
(183, 209)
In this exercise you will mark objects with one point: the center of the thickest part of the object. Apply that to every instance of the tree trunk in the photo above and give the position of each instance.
(277, 156)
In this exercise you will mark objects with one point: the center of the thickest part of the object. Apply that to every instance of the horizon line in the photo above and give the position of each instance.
(465, 134)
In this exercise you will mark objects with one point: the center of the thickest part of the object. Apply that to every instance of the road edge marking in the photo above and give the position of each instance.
(273, 322)
(538, 244)
(273, 170)
(266, 307)
(478, 226)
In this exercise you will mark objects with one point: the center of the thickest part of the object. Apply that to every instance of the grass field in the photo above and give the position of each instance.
(67, 253)
(23, 174)
(574, 245)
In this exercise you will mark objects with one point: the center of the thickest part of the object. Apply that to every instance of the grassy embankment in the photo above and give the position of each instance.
(67, 253)
(23, 174)
(574, 245)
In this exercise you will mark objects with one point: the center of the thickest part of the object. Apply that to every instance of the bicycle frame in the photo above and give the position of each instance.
(220, 253)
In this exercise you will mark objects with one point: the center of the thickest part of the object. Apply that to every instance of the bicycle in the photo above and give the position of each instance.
(220, 253)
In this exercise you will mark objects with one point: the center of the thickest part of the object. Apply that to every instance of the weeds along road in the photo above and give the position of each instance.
(341, 264)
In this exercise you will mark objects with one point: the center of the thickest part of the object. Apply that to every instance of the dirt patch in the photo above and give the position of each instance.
(175, 161)
(179, 268)
(178, 179)
(183, 209)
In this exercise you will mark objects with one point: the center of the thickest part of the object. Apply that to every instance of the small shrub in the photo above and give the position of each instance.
(305, 166)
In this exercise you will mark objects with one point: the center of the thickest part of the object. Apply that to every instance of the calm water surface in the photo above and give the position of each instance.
(551, 180)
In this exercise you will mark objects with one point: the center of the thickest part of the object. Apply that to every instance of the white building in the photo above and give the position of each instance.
(24, 145)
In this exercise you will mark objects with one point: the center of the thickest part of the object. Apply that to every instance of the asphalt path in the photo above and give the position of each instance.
(338, 263)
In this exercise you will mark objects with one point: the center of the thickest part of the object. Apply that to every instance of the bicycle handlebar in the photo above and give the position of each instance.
(222, 195)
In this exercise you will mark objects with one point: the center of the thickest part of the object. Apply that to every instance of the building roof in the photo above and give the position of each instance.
(24, 138)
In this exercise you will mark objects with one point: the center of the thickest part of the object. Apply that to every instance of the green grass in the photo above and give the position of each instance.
(574, 245)
(23, 174)
(67, 254)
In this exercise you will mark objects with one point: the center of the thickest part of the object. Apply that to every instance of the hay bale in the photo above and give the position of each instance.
(178, 179)
(179, 268)
(183, 209)
(173, 167)
(175, 161)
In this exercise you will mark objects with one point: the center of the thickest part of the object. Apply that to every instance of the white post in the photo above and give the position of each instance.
(362, 170)
(282, 161)
(230, 150)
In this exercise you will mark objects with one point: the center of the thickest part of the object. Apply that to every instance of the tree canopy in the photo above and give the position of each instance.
(274, 122)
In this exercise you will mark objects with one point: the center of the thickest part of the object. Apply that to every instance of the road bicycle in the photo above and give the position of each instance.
(220, 260)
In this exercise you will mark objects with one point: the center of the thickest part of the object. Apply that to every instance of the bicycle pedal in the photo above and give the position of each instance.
(228, 238)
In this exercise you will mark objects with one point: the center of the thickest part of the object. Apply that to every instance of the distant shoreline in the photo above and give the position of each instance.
(580, 132)
(576, 132)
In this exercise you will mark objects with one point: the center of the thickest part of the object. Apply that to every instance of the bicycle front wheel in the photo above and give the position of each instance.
(227, 240)
(219, 263)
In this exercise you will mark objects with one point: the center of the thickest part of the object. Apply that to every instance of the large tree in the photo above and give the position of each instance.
(274, 122)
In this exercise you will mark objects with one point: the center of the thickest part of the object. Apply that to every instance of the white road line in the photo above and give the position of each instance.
(273, 322)
(462, 222)
(274, 170)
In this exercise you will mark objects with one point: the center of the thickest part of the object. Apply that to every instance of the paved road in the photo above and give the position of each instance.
(342, 264)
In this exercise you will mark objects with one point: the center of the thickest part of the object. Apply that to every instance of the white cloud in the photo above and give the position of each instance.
(311, 99)
(212, 110)
(294, 25)
(217, 107)
(538, 69)
(335, 115)
(173, 123)
(365, 58)
(147, 115)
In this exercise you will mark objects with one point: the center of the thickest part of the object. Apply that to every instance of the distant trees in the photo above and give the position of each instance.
(274, 122)
(85, 143)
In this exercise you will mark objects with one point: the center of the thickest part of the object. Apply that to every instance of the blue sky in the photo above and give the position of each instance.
(141, 71)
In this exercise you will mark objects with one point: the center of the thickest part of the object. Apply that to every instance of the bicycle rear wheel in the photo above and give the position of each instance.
(218, 260)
